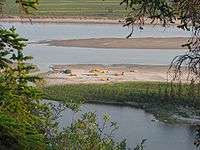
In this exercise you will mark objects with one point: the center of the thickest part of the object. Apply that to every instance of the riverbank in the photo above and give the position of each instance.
(64, 19)
(88, 19)
(97, 73)
(133, 43)
(170, 103)
(113, 73)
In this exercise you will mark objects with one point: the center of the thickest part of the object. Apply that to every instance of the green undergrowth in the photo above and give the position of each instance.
(161, 99)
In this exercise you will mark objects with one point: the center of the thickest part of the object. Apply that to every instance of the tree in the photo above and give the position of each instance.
(23, 116)
(185, 13)
(29, 123)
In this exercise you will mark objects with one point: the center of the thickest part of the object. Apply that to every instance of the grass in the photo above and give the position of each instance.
(161, 99)
(98, 8)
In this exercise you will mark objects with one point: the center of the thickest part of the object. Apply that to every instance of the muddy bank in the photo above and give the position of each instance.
(133, 43)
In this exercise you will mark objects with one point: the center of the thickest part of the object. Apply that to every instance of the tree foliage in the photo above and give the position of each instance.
(18, 100)
(87, 134)
(184, 13)
(26, 121)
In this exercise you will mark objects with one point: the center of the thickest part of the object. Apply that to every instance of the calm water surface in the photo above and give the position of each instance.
(48, 31)
(136, 125)
(45, 55)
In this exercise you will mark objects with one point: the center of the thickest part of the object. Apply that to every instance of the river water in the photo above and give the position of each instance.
(45, 55)
(134, 124)
(49, 31)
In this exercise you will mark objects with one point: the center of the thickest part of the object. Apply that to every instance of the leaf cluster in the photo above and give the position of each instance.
(184, 13)
(86, 133)
(27, 121)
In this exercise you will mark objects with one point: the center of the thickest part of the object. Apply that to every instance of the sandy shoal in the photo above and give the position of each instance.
(97, 73)
(132, 43)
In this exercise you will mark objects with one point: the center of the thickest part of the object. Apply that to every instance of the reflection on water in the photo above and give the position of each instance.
(136, 125)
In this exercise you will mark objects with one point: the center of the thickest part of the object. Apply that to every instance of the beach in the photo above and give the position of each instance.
(98, 73)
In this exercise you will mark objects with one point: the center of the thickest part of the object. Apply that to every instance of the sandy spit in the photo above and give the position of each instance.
(132, 43)
(98, 73)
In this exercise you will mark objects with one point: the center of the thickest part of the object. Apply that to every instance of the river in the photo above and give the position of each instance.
(45, 55)
(134, 124)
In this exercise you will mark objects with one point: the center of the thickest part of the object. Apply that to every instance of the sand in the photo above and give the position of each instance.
(133, 43)
(73, 19)
(93, 73)
(64, 19)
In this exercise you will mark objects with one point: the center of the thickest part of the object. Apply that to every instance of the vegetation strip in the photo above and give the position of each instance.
(168, 102)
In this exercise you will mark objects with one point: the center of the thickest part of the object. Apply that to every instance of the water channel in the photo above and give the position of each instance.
(134, 124)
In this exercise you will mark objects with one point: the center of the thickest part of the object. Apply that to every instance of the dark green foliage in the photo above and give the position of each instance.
(27, 122)
(26, 5)
(19, 136)
(19, 102)
(128, 92)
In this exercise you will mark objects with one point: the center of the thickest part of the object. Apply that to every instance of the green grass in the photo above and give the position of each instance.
(162, 99)
(127, 92)
(98, 8)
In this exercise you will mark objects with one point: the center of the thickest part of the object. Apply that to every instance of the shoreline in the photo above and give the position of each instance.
(66, 19)
(173, 119)
(104, 74)
(148, 96)
(71, 19)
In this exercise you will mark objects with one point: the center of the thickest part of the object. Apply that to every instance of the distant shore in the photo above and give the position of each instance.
(123, 43)
(69, 19)
(65, 19)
